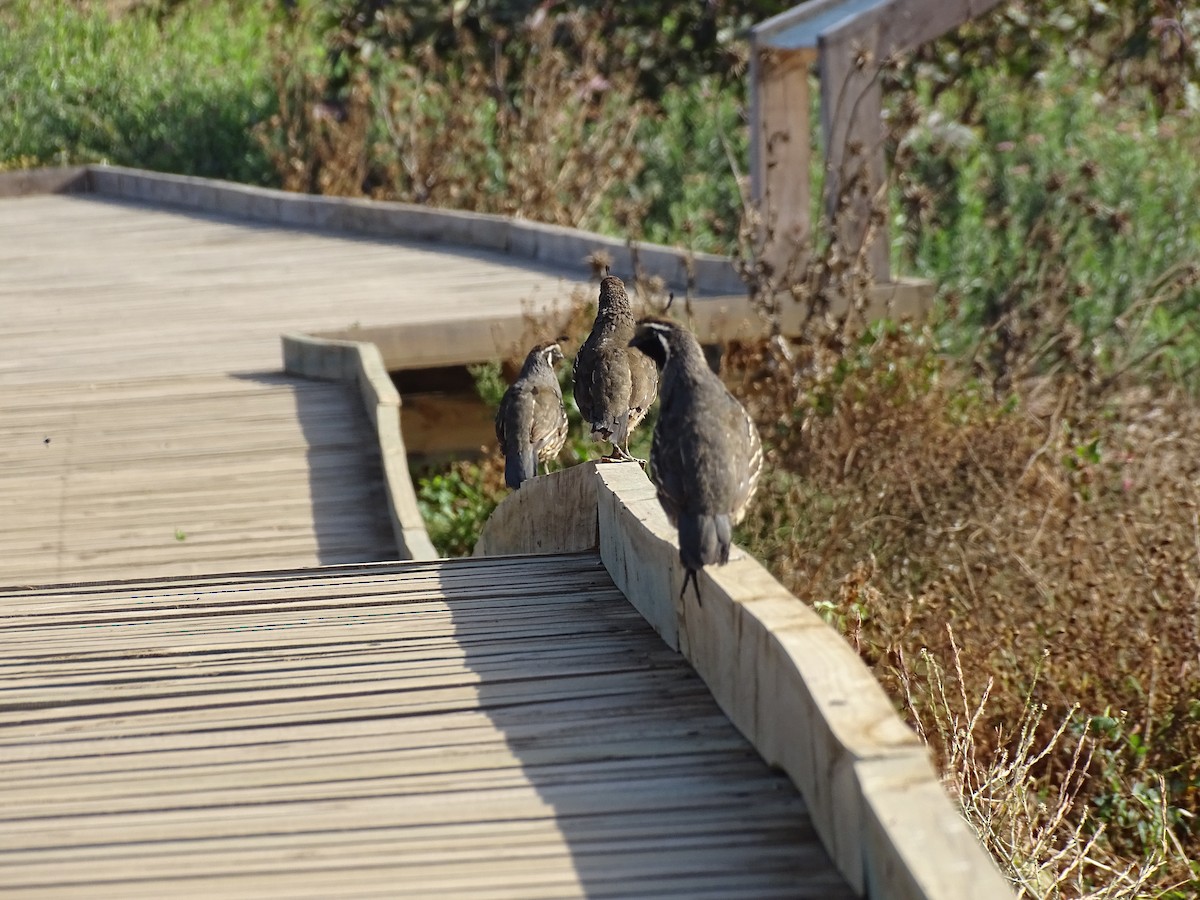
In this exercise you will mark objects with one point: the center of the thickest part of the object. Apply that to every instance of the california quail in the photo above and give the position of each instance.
(614, 386)
(706, 456)
(531, 424)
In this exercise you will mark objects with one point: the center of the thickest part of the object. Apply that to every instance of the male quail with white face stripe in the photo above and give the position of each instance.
(614, 386)
(531, 424)
(707, 456)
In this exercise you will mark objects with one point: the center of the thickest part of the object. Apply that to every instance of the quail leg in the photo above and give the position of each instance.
(623, 454)
(616, 454)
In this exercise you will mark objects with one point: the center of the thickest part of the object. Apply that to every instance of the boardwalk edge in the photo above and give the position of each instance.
(788, 681)
(360, 363)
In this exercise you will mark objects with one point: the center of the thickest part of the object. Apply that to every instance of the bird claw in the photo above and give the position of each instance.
(620, 454)
(692, 576)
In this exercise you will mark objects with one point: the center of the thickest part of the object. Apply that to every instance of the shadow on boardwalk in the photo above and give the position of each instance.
(650, 787)
(345, 477)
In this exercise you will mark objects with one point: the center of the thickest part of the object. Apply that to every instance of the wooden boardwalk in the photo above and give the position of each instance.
(198, 473)
(99, 288)
(474, 728)
(147, 429)
(189, 708)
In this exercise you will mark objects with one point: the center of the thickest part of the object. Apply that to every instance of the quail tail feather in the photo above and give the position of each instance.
(520, 466)
(704, 540)
(520, 456)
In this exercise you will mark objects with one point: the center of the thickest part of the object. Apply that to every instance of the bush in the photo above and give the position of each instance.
(177, 93)
(1059, 216)
(1056, 539)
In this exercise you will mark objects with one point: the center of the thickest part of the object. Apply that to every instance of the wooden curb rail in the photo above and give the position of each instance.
(789, 683)
(361, 364)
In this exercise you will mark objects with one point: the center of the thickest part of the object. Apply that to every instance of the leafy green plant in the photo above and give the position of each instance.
(1133, 801)
(1058, 226)
(456, 502)
(178, 92)
(690, 189)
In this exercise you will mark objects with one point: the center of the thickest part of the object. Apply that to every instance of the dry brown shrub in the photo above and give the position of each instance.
(1057, 534)
(555, 143)
(1049, 843)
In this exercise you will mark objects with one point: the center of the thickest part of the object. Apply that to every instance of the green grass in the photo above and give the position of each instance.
(179, 94)
(1061, 200)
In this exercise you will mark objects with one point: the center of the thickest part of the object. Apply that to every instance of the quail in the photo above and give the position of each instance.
(706, 456)
(614, 386)
(531, 424)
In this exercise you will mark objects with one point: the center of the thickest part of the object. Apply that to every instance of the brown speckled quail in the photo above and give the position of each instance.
(707, 456)
(614, 386)
(531, 424)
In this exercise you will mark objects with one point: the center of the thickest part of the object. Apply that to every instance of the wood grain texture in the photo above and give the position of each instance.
(98, 288)
(803, 698)
(502, 727)
(780, 139)
(189, 474)
(546, 515)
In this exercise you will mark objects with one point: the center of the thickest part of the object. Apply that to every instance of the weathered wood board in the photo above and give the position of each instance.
(474, 728)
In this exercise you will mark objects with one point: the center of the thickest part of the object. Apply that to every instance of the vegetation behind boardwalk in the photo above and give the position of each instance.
(1000, 508)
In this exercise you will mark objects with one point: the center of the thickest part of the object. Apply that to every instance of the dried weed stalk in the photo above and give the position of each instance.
(555, 145)
(1045, 838)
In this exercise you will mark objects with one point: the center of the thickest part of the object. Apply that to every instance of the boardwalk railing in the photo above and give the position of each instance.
(793, 687)
(850, 41)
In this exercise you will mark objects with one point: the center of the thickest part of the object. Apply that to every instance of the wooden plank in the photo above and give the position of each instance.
(906, 24)
(624, 726)
(522, 725)
(545, 516)
(179, 474)
(510, 882)
(303, 582)
(426, 781)
(500, 733)
(615, 861)
(531, 800)
(475, 837)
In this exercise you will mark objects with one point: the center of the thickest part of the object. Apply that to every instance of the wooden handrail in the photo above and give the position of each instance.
(850, 40)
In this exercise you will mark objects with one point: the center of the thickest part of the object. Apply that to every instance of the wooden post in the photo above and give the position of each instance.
(780, 163)
(853, 39)
(851, 53)
(852, 129)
